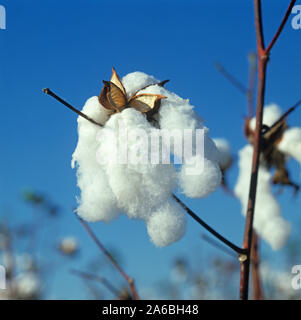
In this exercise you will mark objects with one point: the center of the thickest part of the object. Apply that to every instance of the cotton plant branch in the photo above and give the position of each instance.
(217, 235)
(218, 246)
(256, 277)
(102, 280)
(68, 105)
(129, 280)
(231, 78)
(228, 243)
(263, 57)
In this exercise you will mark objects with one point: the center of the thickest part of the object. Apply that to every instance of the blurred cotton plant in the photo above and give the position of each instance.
(68, 246)
(141, 190)
(279, 143)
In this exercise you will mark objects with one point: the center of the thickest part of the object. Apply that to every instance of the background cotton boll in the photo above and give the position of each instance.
(167, 224)
(204, 181)
(134, 81)
(276, 232)
(267, 210)
(28, 286)
(224, 152)
(271, 114)
(290, 143)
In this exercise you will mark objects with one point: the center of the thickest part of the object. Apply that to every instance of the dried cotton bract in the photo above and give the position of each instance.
(142, 189)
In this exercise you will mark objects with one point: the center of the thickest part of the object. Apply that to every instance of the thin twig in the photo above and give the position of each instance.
(102, 280)
(208, 228)
(290, 110)
(283, 22)
(232, 79)
(217, 245)
(129, 280)
(68, 105)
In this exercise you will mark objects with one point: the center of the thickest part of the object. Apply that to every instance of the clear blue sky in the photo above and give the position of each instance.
(70, 46)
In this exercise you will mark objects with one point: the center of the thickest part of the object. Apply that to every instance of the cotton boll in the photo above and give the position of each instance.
(199, 181)
(28, 286)
(271, 113)
(97, 200)
(290, 143)
(167, 224)
(224, 152)
(267, 218)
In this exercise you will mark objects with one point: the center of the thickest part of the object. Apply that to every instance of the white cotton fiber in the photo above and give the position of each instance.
(167, 224)
(290, 143)
(138, 187)
(267, 219)
(271, 113)
(97, 199)
(224, 152)
(176, 113)
(201, 180)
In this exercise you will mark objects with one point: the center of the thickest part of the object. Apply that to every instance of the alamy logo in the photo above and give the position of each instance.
(296, 21)
(296, 281)
(2, 278)
(2, 18)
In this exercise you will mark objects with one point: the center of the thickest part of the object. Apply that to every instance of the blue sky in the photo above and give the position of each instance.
(71, 49)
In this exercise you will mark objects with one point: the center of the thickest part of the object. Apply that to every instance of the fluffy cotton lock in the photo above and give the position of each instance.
(267, 217)
(178, 114)
(115, 173)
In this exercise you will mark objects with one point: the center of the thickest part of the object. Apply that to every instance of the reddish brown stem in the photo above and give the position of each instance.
(262, 55)
(129, 280)
(256, 278)
(283, 22)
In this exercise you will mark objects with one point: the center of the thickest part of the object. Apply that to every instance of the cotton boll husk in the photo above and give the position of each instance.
(204, 180)
(97, 200)
(267, 219)
(290, 143)
(138, 187)
(271, 113)
(224, 152)
(167, 224)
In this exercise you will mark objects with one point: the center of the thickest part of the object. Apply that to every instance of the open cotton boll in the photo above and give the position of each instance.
(197, 180)
(97, 200)
(290, 143)
(271, 113)
(138, 186)
(167, 224)
(267, 218)
(224, 152)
